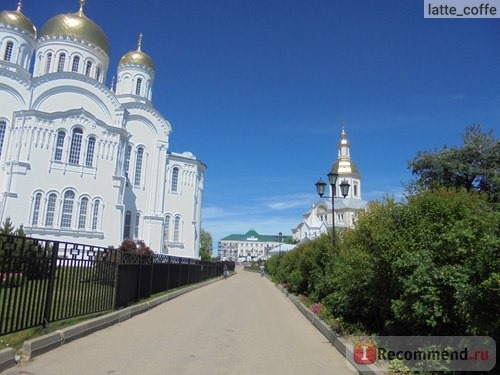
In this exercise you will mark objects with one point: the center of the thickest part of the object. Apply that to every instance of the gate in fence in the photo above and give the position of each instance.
(42, 281)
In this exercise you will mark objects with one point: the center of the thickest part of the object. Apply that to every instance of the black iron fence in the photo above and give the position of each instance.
(42, 281)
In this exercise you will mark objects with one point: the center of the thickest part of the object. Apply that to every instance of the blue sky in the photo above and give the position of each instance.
(259, 91)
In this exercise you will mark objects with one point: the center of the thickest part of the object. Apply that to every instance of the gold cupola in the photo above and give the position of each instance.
(18, 20)
(344, 166)
(76, 25)
(137, 57)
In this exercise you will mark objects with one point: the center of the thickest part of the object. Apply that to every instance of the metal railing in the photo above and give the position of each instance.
(42, 281)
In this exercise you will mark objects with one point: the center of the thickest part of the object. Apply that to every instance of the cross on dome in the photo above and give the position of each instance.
(139, 43)
(82, 3)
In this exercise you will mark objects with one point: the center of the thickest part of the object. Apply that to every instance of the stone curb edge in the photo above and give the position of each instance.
(341, 345)
(55, 339)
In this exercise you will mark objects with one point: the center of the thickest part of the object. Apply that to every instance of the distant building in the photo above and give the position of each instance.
(250, 244)
(81, 162)
(319, 219)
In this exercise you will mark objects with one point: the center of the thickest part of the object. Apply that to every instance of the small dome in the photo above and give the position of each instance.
(137, 57)
(17, 19)
(345, 167)
(78, 26)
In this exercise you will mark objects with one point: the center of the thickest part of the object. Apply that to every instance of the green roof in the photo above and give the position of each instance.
(252, 236)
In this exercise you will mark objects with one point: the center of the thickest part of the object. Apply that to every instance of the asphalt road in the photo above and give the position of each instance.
(242, 325)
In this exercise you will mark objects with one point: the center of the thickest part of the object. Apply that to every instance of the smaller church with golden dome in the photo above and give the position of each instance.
(318, 220)
(81, 162)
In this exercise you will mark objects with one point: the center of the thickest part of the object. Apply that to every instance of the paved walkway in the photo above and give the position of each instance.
(242, 325)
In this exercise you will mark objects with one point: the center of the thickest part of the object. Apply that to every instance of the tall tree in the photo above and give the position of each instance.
(206, 245)
(473, 166)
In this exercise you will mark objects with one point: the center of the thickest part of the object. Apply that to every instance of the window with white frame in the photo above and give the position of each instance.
(138, 86)
(88, 68)
(36, 209)
(76, 64)
(82, 217)
(90, 152)
(175, 179)
(67, 209)
(138, 166)
(126, 165)
(137, 221)
(8, 51)
(3, 127)
(51, 209)
(49, 61)
(126, 226)
(76, 144)
(61, 62)
(177, 229)
(98, 73)
(59, 145)
(95, 214)
(166, 229)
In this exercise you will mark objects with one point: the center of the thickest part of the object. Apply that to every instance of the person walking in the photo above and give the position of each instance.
(226, 271)
(262, 270)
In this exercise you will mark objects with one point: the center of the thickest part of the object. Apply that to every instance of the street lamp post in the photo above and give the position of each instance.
(344, 190)
(280, 239)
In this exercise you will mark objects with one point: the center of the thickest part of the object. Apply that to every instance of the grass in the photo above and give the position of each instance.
(16, 340)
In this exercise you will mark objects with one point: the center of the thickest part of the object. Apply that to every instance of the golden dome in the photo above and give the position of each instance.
(346, 167)
(78, 26)
(137, 57)
(17, 19)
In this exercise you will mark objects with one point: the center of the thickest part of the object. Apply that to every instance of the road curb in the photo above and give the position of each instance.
(345, 348)
(7, 358)
(43, 344)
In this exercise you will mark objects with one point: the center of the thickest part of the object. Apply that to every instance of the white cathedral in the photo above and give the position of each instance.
(81, 162)
(318, 220)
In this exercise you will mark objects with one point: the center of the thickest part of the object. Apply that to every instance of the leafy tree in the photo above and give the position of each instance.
(427, 266)
(205, 245)
(473, 166)
(7, 227)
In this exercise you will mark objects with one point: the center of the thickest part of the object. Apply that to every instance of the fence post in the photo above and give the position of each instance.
(50, 288)
(117, 284)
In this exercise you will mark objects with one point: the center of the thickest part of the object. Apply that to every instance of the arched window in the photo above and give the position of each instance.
(88, 68)
(90, 152)
(138, 86)
(76, 64)
(49, 61)
(127, 159)
(175, 179)
(355, 190)
(95, 214)
(67, 209)
(138, 166)
(76, 144)
(3, 126)
(60, 64)
(177, 227)
(82, 217)
(36, 209)
(8, 51)
(59, 145)
(166, 229)
(137, 220)
(98, 73)
(51, 209)
(126, 226)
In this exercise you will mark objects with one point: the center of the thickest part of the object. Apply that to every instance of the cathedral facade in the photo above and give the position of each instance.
(318, 220)
(81, 162)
